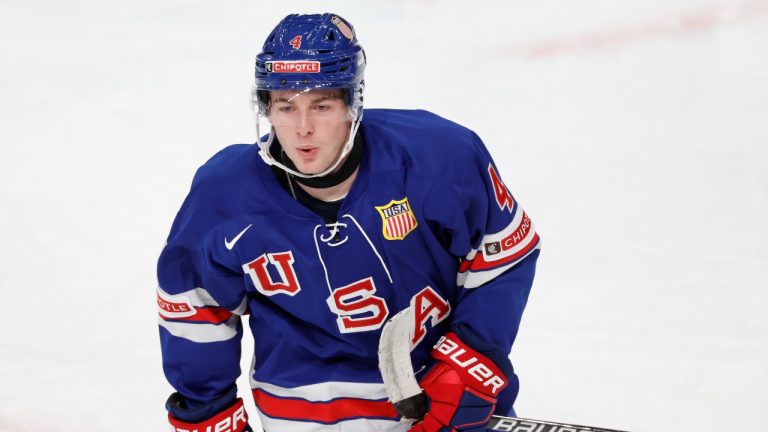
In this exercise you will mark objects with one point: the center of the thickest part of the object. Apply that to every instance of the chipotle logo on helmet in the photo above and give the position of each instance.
(293, 66)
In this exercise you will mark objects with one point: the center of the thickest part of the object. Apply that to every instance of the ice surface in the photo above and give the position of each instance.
(634, 134)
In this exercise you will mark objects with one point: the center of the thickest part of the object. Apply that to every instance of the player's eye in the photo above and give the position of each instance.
(285, 109)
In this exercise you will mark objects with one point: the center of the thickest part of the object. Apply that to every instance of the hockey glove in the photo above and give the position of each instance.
(462, 388)
(232, 419)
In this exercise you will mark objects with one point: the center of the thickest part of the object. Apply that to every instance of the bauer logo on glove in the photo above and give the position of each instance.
(462, 388)
(484, 372)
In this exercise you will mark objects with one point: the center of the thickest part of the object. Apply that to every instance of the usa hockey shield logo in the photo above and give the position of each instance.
(397, 219)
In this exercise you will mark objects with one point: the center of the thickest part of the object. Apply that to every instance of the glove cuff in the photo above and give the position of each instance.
(476, 370)
(232, 419)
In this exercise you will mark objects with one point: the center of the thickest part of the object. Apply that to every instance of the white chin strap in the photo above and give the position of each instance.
(269, 160)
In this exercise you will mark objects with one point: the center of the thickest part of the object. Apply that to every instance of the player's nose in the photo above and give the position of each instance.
(305, 126)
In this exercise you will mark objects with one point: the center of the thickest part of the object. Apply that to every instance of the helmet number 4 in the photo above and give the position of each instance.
(296, 42)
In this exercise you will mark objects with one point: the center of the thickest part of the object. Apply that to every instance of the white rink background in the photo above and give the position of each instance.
(634, 134)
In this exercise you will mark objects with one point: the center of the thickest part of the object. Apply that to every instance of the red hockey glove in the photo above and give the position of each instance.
(232, 419)
(462, 388)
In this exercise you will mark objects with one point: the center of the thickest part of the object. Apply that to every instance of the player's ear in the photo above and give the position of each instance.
(345, 97)
(264, 99)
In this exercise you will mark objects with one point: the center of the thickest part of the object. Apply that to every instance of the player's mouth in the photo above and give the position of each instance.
(307, 152)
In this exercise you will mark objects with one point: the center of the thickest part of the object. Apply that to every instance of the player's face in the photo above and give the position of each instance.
(312, 126)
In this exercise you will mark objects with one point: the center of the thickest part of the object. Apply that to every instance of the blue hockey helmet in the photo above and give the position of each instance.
(305, 53)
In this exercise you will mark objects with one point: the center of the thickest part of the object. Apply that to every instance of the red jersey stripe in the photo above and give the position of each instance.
(213, 315)
(479, 263)
(466, 265)
(327, 412)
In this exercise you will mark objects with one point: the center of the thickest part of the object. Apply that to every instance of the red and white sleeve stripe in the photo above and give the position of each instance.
(499, 252)
(196, 316)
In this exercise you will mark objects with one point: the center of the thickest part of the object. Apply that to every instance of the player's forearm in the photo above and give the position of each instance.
(493, 311)
(202, 371)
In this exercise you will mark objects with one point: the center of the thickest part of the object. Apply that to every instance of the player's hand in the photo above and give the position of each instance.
(462, 388)
(232, 419)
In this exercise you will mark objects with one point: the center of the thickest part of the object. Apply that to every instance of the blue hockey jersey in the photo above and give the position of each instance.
(428, 224)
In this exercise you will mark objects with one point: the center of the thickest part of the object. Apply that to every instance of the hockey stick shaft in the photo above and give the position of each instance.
(401, 385)
(514, 424)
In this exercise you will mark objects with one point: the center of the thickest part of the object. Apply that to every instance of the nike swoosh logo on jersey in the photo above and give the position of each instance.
(230, 244)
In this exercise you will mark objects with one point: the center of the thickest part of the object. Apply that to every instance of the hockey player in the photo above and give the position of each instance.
(334, 221)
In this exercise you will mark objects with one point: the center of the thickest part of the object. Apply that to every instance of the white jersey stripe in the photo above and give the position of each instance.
(357, 425)
(202, 333)
(326, 391)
